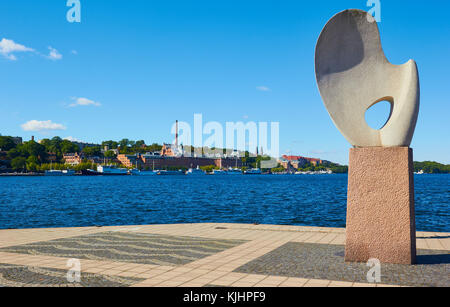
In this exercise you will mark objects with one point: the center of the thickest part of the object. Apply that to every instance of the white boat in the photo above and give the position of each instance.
(54, 172)
(195, 171)
(234, 171)
(136, 172)
(253, 171)
(219, 172)
(111, 170)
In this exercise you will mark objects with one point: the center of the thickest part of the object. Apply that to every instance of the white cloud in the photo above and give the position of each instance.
(35, 125)
(9, 47)
(84, 102)
(54, 54)
(263, 88)
(74, 52)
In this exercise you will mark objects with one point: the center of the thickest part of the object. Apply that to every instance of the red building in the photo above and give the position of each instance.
(299, 160)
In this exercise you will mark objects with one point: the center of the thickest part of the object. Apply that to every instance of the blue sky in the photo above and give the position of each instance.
(142, 64)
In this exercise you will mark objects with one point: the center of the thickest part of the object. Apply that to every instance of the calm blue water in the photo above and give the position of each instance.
(286, 200)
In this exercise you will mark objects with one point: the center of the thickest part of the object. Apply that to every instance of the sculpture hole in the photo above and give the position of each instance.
(379, 114)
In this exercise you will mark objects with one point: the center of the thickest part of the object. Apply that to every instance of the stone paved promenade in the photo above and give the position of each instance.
(203, 255)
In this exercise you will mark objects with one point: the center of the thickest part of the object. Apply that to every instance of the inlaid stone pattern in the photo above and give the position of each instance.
(129, 247)
(28, 276)
(322, 261)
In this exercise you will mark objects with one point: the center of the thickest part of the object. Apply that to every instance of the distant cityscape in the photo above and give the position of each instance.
(57, 153)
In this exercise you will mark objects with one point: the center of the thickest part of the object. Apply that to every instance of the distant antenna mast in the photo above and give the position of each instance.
(176, 135)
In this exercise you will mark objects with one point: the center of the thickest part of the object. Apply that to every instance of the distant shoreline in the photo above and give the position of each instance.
(274, 174)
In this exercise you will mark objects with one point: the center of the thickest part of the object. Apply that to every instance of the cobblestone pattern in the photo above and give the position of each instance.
(321, 261)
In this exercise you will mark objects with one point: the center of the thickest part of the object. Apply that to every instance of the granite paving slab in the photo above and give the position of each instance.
(322, 261)
(29, 276)
(128, 247)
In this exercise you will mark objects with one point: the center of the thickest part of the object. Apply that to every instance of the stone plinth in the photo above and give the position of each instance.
(380, 206)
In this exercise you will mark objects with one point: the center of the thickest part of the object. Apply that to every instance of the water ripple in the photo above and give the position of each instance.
(285, 200)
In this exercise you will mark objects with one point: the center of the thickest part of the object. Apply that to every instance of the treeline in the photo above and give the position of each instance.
(31, 155)
(48, 153)
(431, 167)
(129, 147)
(309, 167)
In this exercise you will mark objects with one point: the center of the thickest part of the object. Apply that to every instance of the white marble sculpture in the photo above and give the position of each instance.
(353, 74)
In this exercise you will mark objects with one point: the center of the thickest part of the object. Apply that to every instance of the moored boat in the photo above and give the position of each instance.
(235, 171)
(195, 171)
(90, 172)
(136, 172)
(111, 170)
(60, 172)
(253, 171)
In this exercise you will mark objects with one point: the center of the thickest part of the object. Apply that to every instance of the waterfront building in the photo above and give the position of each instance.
(293, 163)
(72, 158)
(76, 158)
(130, 160)
(300, 161)
(171, 150)
(156, 161)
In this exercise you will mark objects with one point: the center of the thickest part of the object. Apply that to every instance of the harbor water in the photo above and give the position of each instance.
(309, 200)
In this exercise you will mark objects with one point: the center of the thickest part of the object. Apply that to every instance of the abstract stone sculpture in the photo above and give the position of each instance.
(353, 74)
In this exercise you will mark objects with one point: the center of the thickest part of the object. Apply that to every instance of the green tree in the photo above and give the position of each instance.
(124, 143)
(94, 151)
(139, 143)
(55, 145)
(13, 153)
(431, 167)
(110, 154)
(68, 147)
(208, 168)
(85, 166)
(32, 148)
(6, 143)
(32, 163)
(18, 163)
(47, 144)
(154, 147)
(32, 159)
(111, 144)
(278, 170)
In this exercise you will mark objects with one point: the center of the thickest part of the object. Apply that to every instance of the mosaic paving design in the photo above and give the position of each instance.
(26, 276)
(319, 261)
(128, 247)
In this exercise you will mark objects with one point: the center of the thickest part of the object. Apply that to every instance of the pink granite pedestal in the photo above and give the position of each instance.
(380, 206)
